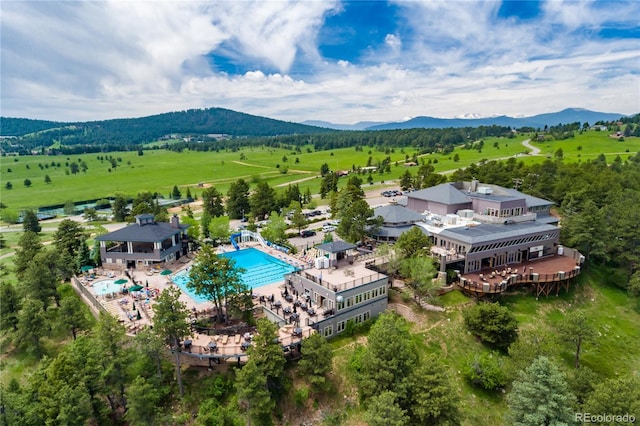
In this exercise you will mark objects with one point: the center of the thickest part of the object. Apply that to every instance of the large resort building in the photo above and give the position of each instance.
(494, 236)
(476, 226)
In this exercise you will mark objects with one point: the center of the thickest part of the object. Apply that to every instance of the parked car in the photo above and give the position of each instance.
(328, 228)
(307, 233)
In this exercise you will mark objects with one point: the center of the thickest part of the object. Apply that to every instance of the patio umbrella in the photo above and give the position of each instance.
(166, 272)
(138, 316)
(87, 268)
(135, 288)
(121, 281)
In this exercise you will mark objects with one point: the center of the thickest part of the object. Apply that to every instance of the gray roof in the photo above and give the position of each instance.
(486, 232)
(530, 199)
(547, 219)
(394, 213)
(458, 193)
(396, 231)
(444, 193)
(148, 233)
(335, 246)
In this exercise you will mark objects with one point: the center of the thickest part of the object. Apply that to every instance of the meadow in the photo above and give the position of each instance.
(613, 354)
(158, 170)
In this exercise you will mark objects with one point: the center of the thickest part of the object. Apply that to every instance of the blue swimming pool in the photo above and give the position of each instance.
(260, 269)
(103, 287)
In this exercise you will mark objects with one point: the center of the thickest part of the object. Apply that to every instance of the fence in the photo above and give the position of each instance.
(94, 303)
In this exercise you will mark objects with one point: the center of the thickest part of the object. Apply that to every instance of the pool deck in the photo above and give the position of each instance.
(126, 307)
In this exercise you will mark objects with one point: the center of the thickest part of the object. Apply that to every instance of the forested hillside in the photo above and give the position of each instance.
(214, 129)
(24, 126)
(134, 131)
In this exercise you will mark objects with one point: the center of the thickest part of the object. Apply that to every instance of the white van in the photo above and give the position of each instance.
(328, 228)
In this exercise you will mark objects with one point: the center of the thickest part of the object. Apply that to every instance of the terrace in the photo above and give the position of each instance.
(545, 275)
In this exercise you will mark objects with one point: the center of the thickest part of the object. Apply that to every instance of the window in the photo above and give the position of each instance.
(328, 331)
(340, 305)
(366, 316)
(340, 326)
(358, 298)
(349, 302)
(383, 290)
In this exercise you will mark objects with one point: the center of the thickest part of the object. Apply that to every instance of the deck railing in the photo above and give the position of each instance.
(343, 285)
(517, 279)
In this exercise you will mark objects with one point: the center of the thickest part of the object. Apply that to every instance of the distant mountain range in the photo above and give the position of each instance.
(216, 123)
(566, 116)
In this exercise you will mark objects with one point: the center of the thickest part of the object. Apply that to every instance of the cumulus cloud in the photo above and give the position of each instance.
(93, 60)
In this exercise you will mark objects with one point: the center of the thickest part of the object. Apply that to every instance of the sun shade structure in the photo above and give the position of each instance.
(87, 268)
(135, 288)
(166, 272)
(121, 281)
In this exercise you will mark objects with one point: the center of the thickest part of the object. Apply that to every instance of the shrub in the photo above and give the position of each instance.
(493, 324)
(486, 371)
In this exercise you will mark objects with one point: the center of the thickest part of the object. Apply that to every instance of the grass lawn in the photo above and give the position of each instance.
(589, 145)
(159, 170)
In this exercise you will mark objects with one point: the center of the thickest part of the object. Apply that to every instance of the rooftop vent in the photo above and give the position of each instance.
(484, 190)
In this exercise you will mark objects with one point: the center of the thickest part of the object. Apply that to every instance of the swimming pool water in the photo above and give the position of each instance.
(260, 269)
(103, 287)
(181, 279)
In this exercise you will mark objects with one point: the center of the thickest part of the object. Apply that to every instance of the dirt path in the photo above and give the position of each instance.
(296, 181)
(534, 150)
(242, 163)
(251, 165)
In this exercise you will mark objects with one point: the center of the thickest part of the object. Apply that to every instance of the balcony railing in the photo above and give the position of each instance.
(343, 285)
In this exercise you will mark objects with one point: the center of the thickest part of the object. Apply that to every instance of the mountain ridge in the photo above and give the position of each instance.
(237, 124)
(565, 116)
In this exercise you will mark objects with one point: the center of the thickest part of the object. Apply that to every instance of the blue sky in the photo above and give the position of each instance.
(335, 61)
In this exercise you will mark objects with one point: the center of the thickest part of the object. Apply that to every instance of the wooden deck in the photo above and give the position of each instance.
(544, 276)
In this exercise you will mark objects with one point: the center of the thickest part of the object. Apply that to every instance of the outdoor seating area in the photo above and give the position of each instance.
(130, 295)
(234, 346)
(545, 274)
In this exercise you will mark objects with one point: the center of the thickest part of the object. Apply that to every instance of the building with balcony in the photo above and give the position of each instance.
(339, 287)
(143, 243)
(475, 226)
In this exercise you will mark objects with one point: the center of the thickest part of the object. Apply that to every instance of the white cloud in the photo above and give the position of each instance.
(93, 60)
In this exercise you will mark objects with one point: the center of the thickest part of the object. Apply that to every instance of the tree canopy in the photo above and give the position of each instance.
(216, 278)
(493, 324)
(540, 396)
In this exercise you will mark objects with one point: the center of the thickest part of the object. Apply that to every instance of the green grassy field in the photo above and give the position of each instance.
(614, 354)
(159, 170)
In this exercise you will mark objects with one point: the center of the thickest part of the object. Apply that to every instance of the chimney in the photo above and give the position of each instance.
(175, 222)
(474, 185)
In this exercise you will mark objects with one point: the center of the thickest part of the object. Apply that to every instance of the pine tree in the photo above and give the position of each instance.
(541, 396)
